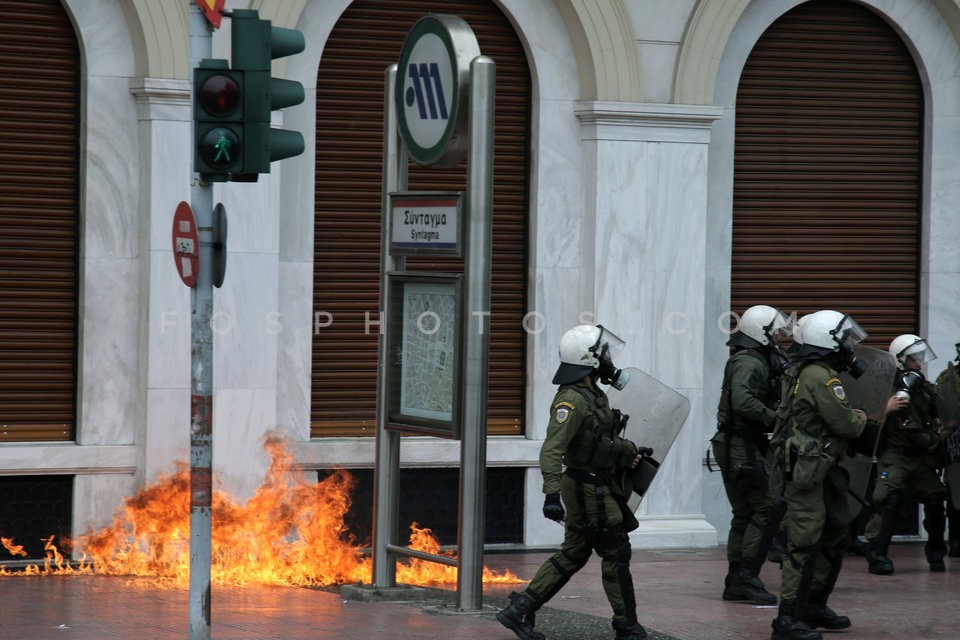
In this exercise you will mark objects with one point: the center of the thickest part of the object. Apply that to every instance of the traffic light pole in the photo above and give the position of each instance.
(201, 378)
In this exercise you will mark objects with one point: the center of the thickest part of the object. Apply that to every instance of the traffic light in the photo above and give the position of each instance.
(218, 120)
(255, 43)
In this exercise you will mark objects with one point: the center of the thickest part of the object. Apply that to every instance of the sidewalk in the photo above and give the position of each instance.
(678, 593)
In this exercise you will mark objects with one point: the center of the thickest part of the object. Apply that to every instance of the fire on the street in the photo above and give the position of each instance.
(291, 532)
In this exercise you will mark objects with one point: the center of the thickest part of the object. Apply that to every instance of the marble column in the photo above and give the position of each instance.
(645, 218)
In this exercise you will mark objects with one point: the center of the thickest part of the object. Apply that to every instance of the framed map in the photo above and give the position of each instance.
(423, 347)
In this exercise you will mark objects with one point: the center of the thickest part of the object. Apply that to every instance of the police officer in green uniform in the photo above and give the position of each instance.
(911, 457)
(818, 428)
(747, 413)
(582, 461)
(953, 514)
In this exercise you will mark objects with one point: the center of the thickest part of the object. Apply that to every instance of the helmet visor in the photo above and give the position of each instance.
(848, 333)
(608, 345)
(780, 328)
(919, 351)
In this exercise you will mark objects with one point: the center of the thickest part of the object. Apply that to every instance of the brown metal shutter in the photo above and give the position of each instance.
(367, 38)
(39, 133)
(826, 205)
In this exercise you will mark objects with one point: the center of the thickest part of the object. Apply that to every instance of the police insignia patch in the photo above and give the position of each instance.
(839, 392)
(562, 414)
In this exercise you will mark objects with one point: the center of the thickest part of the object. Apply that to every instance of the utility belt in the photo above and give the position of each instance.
(759, 440)
(587, 477)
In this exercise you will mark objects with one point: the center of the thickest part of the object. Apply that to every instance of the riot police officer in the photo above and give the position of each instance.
(910, 459)
(948, 389)
(816, 430)
(747, 413)
(582, 461)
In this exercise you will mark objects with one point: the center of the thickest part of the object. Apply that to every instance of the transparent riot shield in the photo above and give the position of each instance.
(656, 414)
(869, 393)
(948, 407)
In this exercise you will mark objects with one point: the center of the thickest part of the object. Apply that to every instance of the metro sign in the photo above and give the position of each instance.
(432, 89)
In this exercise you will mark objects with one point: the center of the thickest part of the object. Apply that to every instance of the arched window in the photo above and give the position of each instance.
(367, 38)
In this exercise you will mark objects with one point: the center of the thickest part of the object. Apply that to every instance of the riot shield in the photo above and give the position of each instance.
(868, 393)
(656, 414)
(948, 407)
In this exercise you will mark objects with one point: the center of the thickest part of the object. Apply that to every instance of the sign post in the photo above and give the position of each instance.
(439, 98)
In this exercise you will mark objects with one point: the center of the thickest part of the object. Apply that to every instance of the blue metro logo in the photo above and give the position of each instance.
(427, 90)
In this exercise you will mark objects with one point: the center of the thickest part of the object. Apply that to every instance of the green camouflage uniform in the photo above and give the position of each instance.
(911, 457)
(819, 423)
(747, 412)
(953, 514)
(583, 437)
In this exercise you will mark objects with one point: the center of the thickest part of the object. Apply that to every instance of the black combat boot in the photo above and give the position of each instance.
(858, 546)
(519, 617)
(787, 627)
(935, 523)
(877, 561)
(733, 568)
(818, 614)
(954, 551)
(778, 548)
(747, 587)
(627, 630)
(935, 559)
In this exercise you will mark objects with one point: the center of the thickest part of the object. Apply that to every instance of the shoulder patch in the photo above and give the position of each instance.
(832, 381)
(564, 403)
(561, 414)
(838, 391)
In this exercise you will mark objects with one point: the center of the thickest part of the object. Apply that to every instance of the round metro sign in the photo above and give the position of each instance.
(432, 89)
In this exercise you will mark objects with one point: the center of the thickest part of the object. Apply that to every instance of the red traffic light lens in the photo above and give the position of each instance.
(219, 95)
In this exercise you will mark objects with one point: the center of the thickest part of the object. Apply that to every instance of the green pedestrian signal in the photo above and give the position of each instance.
(218, 120)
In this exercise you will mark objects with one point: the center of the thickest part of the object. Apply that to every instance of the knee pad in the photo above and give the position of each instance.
(615, 546)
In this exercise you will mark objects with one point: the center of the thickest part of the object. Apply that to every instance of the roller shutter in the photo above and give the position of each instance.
(39, 181)
(827, 180)
(367, 38)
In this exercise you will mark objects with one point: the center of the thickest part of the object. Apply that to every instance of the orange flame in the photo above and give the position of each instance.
(291, 532)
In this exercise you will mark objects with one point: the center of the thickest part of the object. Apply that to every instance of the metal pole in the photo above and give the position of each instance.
(473, 443)
(201, 380)
(387, 470)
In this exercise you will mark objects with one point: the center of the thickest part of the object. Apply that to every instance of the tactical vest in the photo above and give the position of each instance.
(730, 421)
(913, 431)
(595, 447)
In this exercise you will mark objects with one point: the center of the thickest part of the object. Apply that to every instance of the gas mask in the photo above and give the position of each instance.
(609, 374)
(607, 344)
(851, 363)
(908, 384)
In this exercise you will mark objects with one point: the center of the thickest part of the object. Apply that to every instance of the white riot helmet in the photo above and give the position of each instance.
(911, 346)
(798, 329)
(763, 325)
(831, 331)
(586, 348)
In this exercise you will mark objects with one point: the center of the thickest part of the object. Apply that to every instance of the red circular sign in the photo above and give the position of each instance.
(186, 244)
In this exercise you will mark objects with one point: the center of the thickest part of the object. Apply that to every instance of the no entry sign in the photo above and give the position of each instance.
(186, 244)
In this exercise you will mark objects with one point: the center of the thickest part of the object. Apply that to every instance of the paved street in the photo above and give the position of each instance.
(679, 593)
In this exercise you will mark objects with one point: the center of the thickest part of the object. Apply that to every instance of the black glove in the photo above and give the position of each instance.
(645, 451)
(552, 509)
